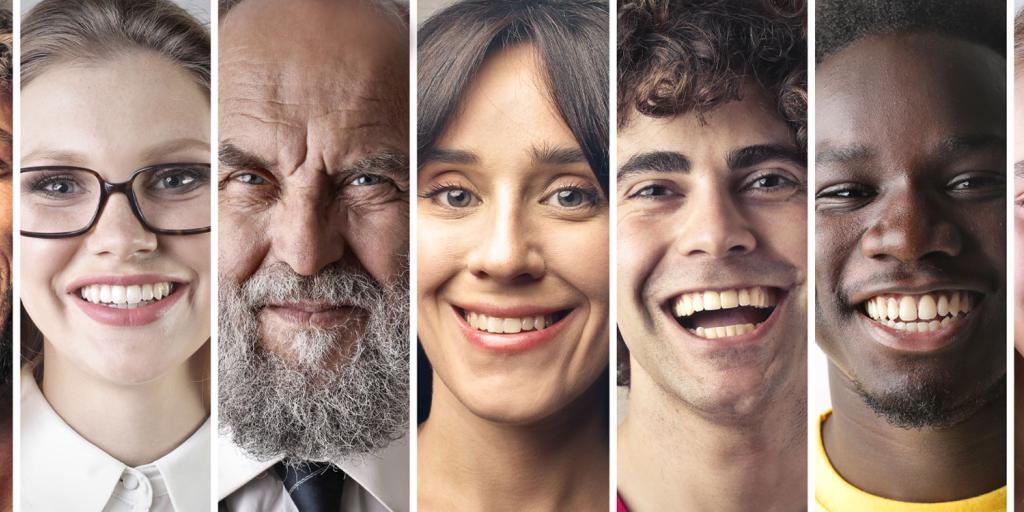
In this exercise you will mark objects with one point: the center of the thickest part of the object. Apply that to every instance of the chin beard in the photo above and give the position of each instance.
(307, 407)
(919, 404)
(6, 341)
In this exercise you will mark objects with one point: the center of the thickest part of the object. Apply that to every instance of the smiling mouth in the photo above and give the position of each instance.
(714, 314)
(926, 312)
(126, 297)
(511, 325)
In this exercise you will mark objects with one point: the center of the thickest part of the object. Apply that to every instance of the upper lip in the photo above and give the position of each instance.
(308, 305)
(915, 288)
(121, 280)
(506, 311)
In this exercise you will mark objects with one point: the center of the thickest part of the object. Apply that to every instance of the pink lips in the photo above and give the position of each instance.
(511, 343)
(133, 317)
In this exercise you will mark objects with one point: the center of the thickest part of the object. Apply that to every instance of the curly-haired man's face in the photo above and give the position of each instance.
(910, 225)
(712, 255)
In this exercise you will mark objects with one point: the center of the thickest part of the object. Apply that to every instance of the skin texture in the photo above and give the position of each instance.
(1018, 295)
(93, 116)
(304, 110)
(739, 411)
(918, 213)
(6, 159)
(533, 412)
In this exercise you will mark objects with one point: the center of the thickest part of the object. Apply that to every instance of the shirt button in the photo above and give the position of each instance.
(130, 482)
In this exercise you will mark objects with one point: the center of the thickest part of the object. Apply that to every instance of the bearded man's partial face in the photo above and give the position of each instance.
(313, 224)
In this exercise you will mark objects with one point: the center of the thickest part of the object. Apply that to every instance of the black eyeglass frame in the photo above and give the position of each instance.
(108, 188)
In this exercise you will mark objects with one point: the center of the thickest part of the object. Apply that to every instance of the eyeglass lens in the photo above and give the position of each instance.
(67, 200)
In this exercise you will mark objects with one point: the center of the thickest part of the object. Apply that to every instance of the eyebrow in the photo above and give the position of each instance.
(657, 161)
(844, 154)
(966, 143)
(750, 156)
(449, 156)
(557, 155)
(234, 157)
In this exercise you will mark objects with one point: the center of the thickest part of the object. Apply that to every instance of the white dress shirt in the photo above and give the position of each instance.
(62, 471)
(378, 483)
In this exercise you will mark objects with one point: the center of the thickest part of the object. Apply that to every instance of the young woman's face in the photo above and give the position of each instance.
(114, 117)
(513, 250)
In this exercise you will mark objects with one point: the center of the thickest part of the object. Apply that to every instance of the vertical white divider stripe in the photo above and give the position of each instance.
(16, 257)
(413, 266)
(812, 414)
(613, 415)
(214, 250)
(1010, 247)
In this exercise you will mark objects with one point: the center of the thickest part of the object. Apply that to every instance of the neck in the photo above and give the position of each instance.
(948, 463)
(726, 465)
(473, 463)
(135, 424)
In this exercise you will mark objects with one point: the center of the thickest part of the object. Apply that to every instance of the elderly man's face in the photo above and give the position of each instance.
(911, 262)
(313, 127)
(5, 235)
(313, 227)
(712, 255)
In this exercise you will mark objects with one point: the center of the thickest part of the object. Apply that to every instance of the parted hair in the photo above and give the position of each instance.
(59, 31)
(691, 56)
(842, 22)
(571, 38)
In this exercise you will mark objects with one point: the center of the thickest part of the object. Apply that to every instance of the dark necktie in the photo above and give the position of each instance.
(313, 486)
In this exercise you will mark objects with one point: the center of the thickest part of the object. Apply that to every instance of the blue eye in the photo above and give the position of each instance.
(365, 180)
(251, 179)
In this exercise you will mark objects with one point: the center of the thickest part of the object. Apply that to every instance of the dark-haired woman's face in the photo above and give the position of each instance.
(513, 251)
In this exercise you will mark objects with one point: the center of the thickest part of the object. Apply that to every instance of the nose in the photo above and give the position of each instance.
(507, 249)
(119, 232)
(305, 232)
(714, 226)
(910, 228)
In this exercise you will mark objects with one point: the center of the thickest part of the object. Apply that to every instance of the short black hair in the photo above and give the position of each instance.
(571, 36)
(842, 22)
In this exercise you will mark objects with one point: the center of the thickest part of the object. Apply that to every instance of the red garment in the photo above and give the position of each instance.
(620, 505)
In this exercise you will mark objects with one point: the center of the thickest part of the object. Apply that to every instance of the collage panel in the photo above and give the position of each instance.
(513, 255)
(911, 279)
(313, 227)
(115, 195)
(712, 255)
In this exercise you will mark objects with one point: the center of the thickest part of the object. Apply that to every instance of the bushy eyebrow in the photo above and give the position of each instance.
(948, 147)
(750, 156)
(539, 154)
(450, 156)
(656, 161)
(234, 157)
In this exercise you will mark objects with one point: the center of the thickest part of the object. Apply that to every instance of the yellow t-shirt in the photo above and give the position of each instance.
(833, 494)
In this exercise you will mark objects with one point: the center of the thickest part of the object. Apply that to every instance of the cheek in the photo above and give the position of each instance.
(49, 258)
(578, 253)
(241, 247)
(380, 240)
(192, 252)
(784, 230)
(639, 241)
(442, 249)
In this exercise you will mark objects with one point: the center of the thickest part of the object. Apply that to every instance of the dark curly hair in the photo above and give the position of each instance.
(841, 22)
(679, 56)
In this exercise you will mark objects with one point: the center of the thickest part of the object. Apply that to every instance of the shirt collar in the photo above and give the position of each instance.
(53, 453)
(384, 474)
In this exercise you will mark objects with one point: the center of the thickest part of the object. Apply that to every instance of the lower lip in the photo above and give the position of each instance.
(324, 318)
(134, 317)
(918, 341)
(749, 338)
(510, 343)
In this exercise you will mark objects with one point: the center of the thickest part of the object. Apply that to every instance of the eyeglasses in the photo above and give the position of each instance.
(62, 201)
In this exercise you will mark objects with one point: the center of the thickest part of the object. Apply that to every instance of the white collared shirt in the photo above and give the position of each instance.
(378, 483)
(60, 470)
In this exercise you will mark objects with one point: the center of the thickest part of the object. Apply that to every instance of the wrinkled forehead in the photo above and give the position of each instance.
(313, 73)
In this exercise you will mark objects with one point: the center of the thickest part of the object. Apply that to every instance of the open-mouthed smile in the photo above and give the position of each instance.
(920, 313)
(510, 329)
(713, 314)
(126, 301)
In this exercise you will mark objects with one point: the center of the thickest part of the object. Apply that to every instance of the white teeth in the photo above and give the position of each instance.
(498, 325)
(919, 313)
(690, 303)
(131, 296)
(725, 331)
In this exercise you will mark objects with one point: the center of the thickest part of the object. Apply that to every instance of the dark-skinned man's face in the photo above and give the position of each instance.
(910, 226)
